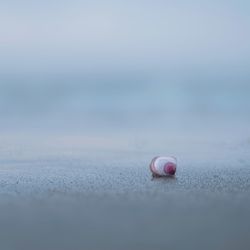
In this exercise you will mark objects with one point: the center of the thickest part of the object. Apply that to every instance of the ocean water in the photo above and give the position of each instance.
(129, 104)
(193, 117)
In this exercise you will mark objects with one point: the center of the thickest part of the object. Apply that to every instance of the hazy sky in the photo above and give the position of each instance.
(83, 36)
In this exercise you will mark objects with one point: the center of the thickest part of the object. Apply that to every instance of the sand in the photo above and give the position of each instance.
(106, 199)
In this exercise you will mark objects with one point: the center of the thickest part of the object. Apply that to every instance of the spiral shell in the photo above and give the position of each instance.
(163, 166)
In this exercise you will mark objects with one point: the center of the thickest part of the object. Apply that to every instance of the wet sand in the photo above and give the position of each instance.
(108, 200)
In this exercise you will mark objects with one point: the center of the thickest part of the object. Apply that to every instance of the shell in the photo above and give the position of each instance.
(163, 166)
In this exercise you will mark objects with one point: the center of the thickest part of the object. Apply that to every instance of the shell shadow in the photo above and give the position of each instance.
(164, 178)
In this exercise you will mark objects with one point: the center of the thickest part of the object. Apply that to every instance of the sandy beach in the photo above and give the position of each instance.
(94, 199)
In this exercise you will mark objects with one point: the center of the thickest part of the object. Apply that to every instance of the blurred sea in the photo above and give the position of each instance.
(138, 110)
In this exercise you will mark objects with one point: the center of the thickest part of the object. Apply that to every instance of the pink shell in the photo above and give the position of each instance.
(163, 166)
